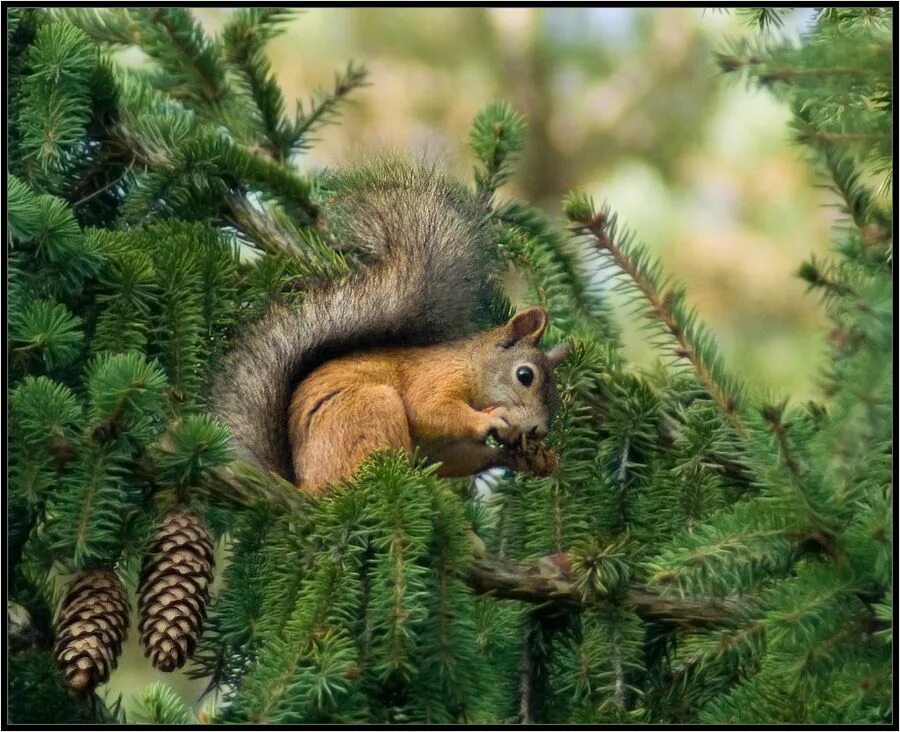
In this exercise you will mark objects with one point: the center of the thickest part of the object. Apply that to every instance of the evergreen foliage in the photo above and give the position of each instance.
(703, 555)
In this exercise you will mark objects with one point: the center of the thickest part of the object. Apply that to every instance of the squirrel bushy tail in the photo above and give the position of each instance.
(428, 237)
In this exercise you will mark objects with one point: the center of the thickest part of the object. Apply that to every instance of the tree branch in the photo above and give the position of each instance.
(244, 484)
(663, 307)
(549, 579)
(261, 227)
(545, 580)
(255, 221)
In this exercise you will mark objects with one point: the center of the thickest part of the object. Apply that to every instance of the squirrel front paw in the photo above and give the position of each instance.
(498, 424)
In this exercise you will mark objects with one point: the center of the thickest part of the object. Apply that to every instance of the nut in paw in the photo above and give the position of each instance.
(536, 458)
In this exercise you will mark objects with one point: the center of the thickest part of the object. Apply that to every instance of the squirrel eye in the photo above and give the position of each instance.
(525, 375)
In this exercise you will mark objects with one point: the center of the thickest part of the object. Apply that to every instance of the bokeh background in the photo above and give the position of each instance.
(626, 104)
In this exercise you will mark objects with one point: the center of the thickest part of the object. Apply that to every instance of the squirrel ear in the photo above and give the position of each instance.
(558, 354)
(526, 326)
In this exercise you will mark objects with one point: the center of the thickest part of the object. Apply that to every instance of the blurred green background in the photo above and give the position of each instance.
(626, 104)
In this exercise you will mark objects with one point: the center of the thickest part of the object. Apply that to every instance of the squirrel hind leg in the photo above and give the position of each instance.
(340, 430)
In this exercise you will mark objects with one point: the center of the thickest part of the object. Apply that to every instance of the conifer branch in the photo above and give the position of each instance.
(847, 181)
(255, 220)
(496, 139)
(618, 670)
(545, 580)
(549, 580)
(770, 74)
(526, 690)
(324, 107)
(665, 306)
(243, 41)
(622, 472)
(244, 484)
(843, 137)
(818, 278)
(193, 50)
(798, 479)
(764, 18)
(261, 227)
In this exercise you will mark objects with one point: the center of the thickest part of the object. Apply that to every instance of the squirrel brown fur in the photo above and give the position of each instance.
(385, 358)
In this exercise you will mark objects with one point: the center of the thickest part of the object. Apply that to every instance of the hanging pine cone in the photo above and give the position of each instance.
(174, 589)
(92, 623)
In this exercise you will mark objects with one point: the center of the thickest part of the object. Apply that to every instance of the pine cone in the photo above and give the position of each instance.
(92, 623)
(174, 589)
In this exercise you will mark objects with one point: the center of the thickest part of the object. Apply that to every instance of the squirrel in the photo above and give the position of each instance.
(385, 358)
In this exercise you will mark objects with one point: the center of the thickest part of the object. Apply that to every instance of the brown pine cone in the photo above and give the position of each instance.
(92, 623)
(174, 589)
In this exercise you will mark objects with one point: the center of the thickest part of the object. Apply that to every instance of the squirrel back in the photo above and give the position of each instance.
(430, 276)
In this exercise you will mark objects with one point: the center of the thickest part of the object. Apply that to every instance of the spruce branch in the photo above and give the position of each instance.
(180, 46)
(45, 331)
(269, 229)
(88, 514)
(323, 108)
(225, 163)
(665, 304)
(243, 41)
(550, 580)
(496, 139)
(554, 270)
(44, 411)
(767, 75)
(526, 684)
(285, 677)
(53, 106)
(251, 28)
(159, 704)
(773, 415)
(113, 26)
(125, 392)
(243, 484)
(191, 447)
(145, 147)
(816, 275)
(764, 18)
(846, 180)
(545, 580)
